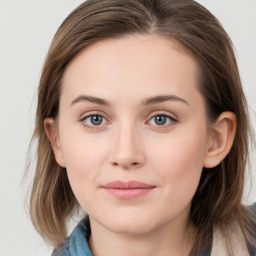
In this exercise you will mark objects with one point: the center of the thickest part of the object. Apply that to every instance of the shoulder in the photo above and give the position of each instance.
(253, 208)
(64, 250)
(76, 244)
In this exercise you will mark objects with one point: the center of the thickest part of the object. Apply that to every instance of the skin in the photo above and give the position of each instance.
(130, 145)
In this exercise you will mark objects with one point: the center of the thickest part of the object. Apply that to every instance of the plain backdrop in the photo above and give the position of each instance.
(26, 30)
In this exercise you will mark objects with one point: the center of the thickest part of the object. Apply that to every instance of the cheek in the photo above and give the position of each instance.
(180, 163)
(81, 150)
(83, 158)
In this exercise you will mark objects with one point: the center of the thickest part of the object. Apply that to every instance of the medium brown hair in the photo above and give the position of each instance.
(218, 199)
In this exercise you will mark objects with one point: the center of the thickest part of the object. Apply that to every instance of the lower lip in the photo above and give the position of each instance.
(128, 194)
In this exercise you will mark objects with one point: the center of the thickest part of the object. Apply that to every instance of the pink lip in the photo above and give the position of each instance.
(127, 190)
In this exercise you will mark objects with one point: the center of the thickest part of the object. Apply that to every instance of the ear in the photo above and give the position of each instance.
(50, 128)
(222, 137)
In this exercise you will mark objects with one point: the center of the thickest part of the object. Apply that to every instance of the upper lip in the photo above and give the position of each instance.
(132, 184)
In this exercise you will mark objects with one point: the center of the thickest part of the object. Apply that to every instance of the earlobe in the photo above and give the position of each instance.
(52, 135)
(222, 137)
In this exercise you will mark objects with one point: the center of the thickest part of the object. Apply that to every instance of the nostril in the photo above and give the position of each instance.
(125, 164)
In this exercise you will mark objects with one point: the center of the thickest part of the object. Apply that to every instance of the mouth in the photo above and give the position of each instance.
(127, 190)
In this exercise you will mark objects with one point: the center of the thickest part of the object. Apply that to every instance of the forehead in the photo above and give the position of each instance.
(132, 63)
(150, 44)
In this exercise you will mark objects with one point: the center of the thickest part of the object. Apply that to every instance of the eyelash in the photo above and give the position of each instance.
(82, 120)
(172, 120)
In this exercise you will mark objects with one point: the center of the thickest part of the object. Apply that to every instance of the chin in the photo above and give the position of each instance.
(130, 225)
(130, 229)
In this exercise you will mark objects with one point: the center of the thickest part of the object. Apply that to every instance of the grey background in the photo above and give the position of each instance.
(26, 30)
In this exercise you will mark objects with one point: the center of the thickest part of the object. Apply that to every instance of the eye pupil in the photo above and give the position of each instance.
(160, 120)
(96, 120)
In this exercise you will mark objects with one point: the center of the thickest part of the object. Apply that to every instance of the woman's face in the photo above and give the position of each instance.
(132, 132)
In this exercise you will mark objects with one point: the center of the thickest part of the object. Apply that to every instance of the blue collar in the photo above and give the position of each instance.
(76, 244)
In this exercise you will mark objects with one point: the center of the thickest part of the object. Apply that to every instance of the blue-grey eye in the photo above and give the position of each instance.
(160, 120)
(95, 120)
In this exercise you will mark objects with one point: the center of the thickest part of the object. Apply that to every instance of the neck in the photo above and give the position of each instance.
(169, 239)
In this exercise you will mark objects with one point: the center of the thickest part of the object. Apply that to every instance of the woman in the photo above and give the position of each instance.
(142, 122)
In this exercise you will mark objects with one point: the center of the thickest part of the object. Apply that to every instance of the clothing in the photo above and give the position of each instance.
(76, 244)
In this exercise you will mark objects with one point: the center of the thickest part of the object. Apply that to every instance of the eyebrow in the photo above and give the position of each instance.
(91, 99)
(163, 98)
(149, 101)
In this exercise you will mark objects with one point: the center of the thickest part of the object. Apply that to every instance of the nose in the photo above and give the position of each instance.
(127, 148)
